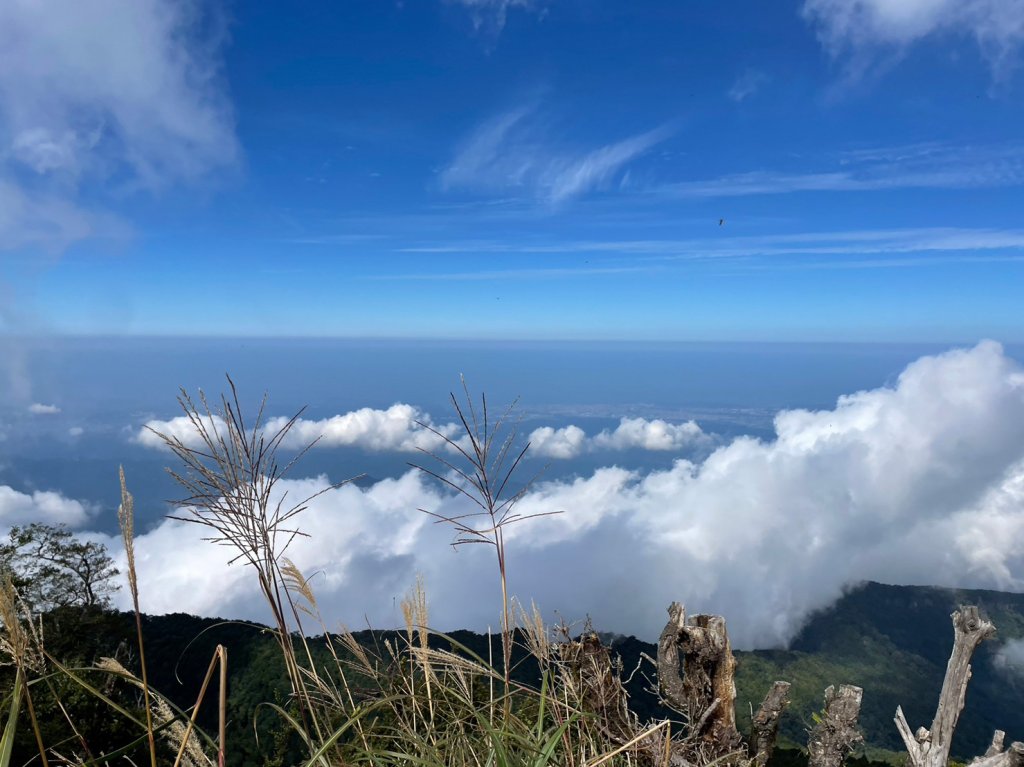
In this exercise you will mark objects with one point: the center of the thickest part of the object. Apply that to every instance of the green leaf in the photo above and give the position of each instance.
(7, 739)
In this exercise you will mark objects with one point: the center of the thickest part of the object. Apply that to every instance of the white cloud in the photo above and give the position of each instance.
(396, 428)
(49, 221)
(17, 508)
(920, 482)
(109, 92)
(489, 16)
(76, 431)
(649, 435)
(511, 153)
(570, 178)
(180, 428)
(858, 28)
(358, 539)
(37, 408)
(936, 166)
(1011, 656)
(567, 442)
(875, 248)
(747, 84)
(630, 434)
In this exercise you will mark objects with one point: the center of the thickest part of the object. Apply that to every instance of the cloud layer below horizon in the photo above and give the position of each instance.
(921, 482)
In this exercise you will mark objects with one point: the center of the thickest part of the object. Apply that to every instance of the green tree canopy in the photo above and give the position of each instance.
(52, 568)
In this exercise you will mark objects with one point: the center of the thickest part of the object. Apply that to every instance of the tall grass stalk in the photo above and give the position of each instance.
(481, 470)
(230, 476)
(126, 519)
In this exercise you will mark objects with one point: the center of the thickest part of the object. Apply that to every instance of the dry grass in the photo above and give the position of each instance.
(417, 700)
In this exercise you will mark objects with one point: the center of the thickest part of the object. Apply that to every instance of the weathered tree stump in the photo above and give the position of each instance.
(835, 735)
(695, 677)
(766, 723)
(696, 671)
(1011, 757)
(599, 686)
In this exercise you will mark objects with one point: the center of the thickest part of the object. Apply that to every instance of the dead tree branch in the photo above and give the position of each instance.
(930, 748)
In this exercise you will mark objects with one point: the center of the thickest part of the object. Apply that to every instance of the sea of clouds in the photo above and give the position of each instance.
(921, 482)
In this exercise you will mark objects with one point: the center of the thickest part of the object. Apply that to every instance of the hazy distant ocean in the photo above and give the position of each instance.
(108, 387)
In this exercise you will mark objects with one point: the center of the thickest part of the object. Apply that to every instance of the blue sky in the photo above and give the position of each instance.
(811, 170)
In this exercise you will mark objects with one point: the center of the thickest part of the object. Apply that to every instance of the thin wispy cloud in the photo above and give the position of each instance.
(747, 84)
(868, 34)
(98, 96)
(50, 220)
(568, 178)
(1010, 657)
(853, 242)
(552, 273)
(890, 263)
(937, 167)
(512, 153)
(489, 16)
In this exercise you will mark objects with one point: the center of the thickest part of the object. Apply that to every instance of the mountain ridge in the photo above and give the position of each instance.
(893, 641)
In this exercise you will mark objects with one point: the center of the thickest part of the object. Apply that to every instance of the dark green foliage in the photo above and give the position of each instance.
(52, 568)
(892, 641)
(79, 636)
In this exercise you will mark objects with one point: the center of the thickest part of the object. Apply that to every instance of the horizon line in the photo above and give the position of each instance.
(501, 339)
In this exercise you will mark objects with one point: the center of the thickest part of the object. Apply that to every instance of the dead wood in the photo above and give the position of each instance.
(766, 723)
(836, 733)
(599, 686)
(930, 747)
(695, 678)
(1011, 757)
(696, 668)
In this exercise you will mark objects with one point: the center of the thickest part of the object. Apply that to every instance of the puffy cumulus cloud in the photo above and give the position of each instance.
(361, 548)
(111, 91)
(649, 435)
(918, 482)
(631, 433)
(396, 428)
(567, 442)
(859, 27)
(37, 408)
(17, 508)
(180, 428)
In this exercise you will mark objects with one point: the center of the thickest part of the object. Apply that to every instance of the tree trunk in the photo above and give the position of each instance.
(766, 723)
(930, 748)
(695, 676)
(835, 735)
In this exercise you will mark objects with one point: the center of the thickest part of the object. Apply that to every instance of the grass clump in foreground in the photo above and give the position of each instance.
(409, 700)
